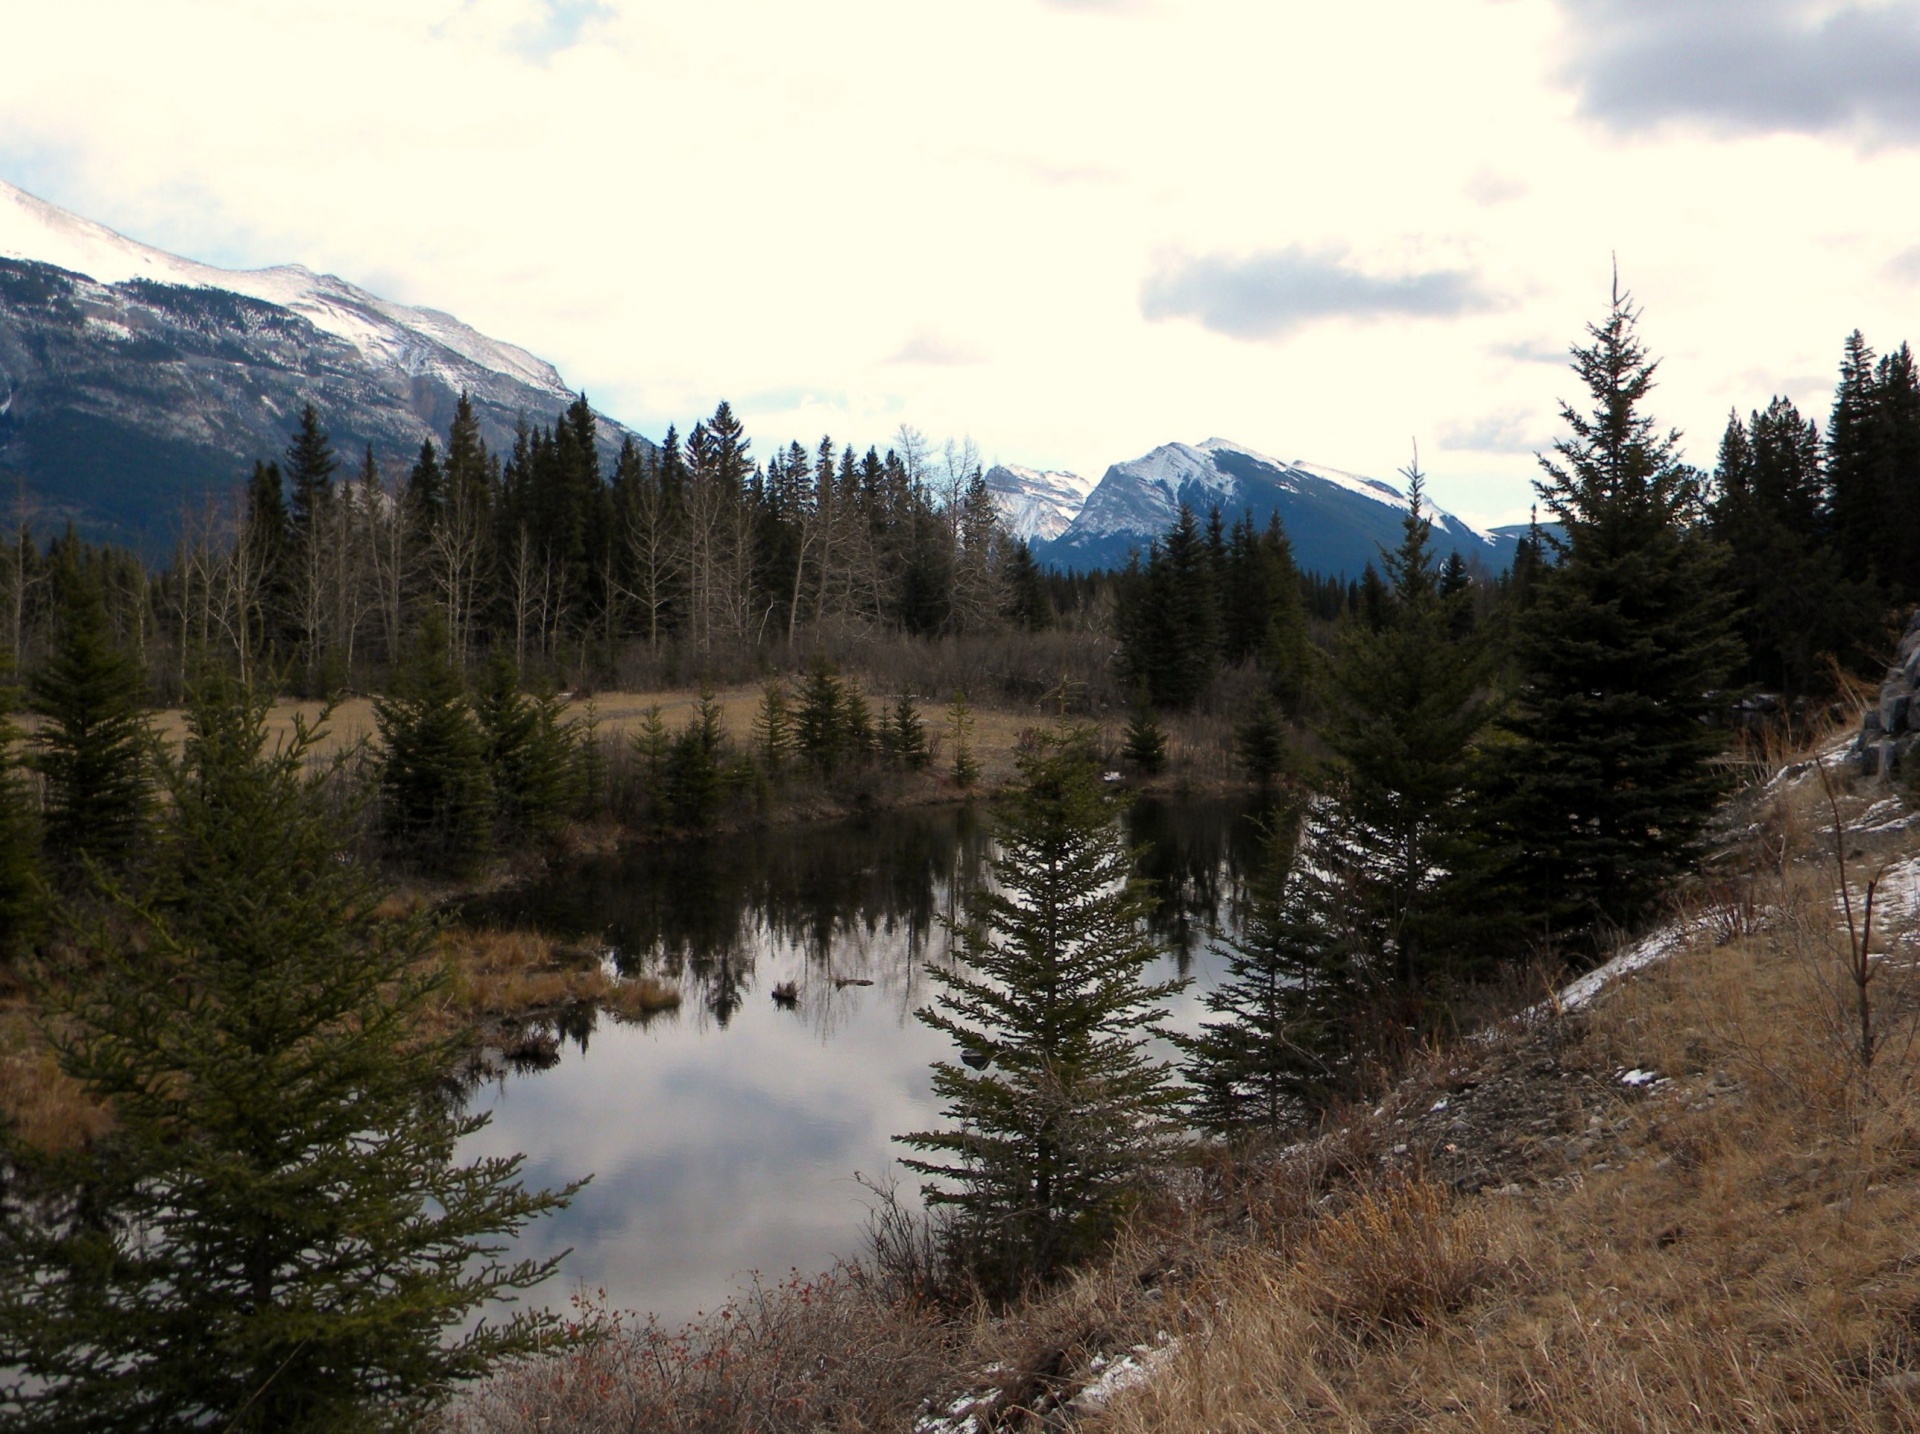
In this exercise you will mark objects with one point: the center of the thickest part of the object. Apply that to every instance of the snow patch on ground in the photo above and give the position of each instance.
(1896, 895)
(1654, 947)
(1130, 1371)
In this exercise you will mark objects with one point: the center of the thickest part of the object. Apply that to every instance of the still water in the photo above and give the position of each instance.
(724, 1137)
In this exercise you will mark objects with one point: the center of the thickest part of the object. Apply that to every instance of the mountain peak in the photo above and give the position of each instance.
(135, 384)
(38, 232)
(1338, 521)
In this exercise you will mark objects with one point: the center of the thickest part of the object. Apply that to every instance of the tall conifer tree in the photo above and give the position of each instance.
(1610, 777)
(94, 748)
(1407, 701)
(276, 1233)
(1057, 1103)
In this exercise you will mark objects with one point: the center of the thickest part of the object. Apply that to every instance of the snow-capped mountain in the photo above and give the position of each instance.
(1034, 505)
(1337, 521)
(134, 383)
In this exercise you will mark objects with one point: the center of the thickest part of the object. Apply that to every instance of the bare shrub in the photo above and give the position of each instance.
(807, 1354)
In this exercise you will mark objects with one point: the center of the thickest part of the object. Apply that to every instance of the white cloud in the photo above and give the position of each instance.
(677, 204)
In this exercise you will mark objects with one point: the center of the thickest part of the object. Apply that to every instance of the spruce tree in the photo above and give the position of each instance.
(1796, 605)
(276, 1232)
(436, 792)
(773, 729)
(695, 772)
(907, 734)
(966, 767)
(1026, 605)
(1609, 777)
(1263, 1062)
(1169, 617)
(1261, 743)
(1057, 1105)
(311, 464)
(1145, 742)
(93, 749)
(534, 757)
(1406, 703)
(819, 727)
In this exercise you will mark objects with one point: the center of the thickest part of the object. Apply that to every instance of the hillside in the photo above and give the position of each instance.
(1670, 1197)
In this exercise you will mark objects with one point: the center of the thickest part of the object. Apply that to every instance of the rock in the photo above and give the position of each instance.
(1878, 752)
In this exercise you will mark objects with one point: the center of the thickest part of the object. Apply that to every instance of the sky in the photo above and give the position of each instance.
(1071, 230)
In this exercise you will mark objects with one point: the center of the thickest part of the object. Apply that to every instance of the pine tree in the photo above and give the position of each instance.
(966, 768)
(1263, 1063)
(1406, 704)
(773, 728)
(435, 790)
(1795, 603)
(1261, 742)
(1058, 1104)
(696, 775)
(1609, 779)
(275, 1233)
(819, 727)
(1145, 742)
(311, 464)
(534, 757)
(907, 734)
(93, 749)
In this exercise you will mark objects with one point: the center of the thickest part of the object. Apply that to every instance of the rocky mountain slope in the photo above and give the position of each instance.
(1035, 505)
(1338, 521)
(135, 384)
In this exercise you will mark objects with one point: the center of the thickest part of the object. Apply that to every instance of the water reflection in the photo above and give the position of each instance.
(724, 1137)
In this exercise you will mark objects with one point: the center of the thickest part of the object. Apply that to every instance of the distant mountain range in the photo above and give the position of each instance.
(134, 384)
(1337, 521)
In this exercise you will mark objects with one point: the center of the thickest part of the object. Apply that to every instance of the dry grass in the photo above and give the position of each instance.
(495, 974)
(46, 1108)
(1200, 744)
(825, 1353)
(1744, 1258)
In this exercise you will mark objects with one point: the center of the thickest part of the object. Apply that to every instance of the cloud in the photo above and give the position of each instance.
(924, 346)
(556, 26)
(1905, 266)
(1488, 186)
(1268, 295)
(1104, 7)
(1534, 351)
(1493, 433)
(1757, 66)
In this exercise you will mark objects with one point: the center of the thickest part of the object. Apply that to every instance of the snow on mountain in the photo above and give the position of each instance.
(1337, 521)
(1036, 505)
(135, 386)
(412, 340)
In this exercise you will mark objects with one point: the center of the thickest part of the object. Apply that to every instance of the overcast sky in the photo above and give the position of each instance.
(1072, 229)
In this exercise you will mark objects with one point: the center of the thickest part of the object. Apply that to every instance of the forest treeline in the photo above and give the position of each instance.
(322, 570)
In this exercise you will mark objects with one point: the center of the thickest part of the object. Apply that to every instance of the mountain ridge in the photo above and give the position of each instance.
(1337, 521)
(129, 401)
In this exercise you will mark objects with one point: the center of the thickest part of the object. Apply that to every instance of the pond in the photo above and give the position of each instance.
(725, 1137)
